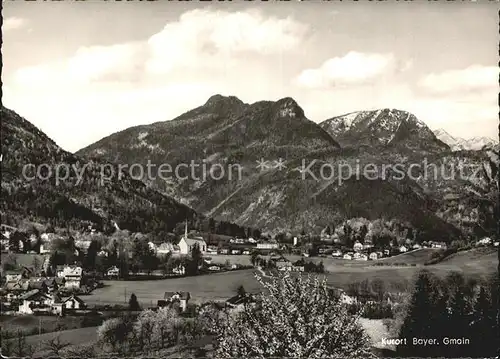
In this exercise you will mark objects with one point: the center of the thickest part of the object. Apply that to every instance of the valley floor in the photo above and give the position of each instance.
(340, 273)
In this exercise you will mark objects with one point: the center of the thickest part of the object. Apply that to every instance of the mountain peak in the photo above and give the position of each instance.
(287, 106)
(218, 99)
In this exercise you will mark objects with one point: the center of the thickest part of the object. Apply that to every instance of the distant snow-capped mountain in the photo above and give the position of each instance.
(382, 128)
(459, 144)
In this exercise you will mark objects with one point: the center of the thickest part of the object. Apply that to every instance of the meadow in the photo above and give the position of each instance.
(73, 336)
(31, 324)
(218, 286)
(340, 273)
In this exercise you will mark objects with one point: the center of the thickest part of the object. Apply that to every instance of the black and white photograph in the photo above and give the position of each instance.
(250, 179)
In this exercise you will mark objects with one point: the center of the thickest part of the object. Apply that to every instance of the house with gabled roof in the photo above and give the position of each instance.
(239, 302)
(13, 276)
(35, 301)
(38, 283)
(72, 275)
(21, 285)
(171, 297)
(73, 303)
(165, 248)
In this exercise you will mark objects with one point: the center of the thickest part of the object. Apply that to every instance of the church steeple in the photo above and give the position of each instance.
(186, 230)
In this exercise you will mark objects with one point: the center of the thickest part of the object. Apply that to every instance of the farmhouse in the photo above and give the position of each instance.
(21, 285)
(113, 272)
(25, 272)
(336, 253)
(180, 269)
(373, 256)
(36, 301)
(72, 275)
(267, 245)
(347, 299)
(239, 302)
(347, 257)
(44, 248)
(13, 276)
(282, 263)
(165, 248)
(484, 241)
(73, 303)
(171, 297)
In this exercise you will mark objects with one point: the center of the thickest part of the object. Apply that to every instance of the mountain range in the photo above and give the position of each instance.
(460, 144)
(225, 130)
(284, 180)
(73, 201)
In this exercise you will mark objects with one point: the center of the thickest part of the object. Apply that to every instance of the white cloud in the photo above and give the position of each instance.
(101, 89)
(208, 37)
(89, 64)
(353, 68)
(472, 78)
(200, 40)
(13, 23)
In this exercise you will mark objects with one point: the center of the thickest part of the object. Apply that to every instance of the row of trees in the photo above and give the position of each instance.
(452, 308)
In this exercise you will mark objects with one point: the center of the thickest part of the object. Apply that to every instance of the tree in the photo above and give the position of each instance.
(419, 319)
(37, 264)
(294, 317)
(86, 351)
(143, 257)
(15, 240)
(241, 291)
(254, 258)
(195, 261)
(212, 319)
(166, 319)
(55, 346)
(91, 257)
(115, 333)
(133, 304)
(363, 232)
(9, 262)
(21, 348)
(143, 328)
(328, 231)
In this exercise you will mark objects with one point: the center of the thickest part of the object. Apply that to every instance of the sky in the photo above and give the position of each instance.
(83, 70)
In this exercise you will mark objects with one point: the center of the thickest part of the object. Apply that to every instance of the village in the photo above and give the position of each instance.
(48, 289)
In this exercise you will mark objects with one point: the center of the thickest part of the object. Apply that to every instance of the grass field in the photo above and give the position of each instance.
(74, 337)
(219, 286)
(419, 257)
(340, 274)
(472, 257)
(31, 323)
